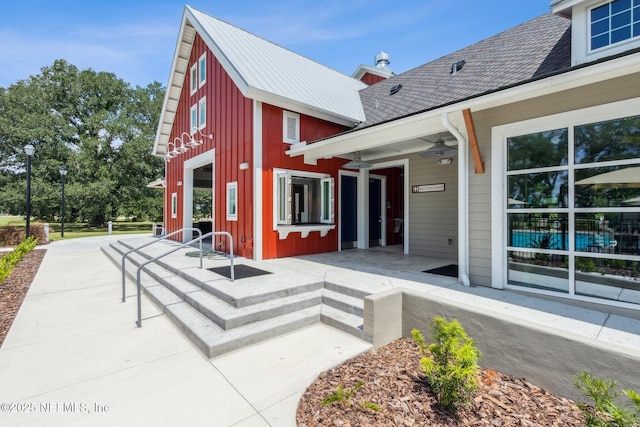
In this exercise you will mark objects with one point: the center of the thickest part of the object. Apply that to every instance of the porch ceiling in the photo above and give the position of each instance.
(399, 148)
(394, 139)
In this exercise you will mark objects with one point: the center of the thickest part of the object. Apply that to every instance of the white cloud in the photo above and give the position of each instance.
(127, 50)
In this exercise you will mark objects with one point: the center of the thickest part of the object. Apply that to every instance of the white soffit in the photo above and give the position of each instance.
(174, 87)
(267, 72)
(564, 7)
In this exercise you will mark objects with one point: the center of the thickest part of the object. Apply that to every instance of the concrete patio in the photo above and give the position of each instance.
(74, 355)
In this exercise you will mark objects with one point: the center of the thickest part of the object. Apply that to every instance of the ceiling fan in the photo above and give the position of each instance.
(439, 149)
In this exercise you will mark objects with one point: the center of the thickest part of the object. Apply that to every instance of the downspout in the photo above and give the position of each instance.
(463, 201)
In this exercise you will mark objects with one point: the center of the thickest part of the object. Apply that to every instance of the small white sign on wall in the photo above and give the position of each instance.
(427, 188)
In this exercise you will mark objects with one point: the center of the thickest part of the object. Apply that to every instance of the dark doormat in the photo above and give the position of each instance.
(448, 270)
(240, 271)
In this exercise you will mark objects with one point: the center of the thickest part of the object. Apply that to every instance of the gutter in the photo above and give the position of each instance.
(463, 201)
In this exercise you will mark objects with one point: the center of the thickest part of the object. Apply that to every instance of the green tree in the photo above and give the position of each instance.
(96, 124)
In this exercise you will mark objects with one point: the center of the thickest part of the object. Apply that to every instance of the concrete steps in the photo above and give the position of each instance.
(218, 315)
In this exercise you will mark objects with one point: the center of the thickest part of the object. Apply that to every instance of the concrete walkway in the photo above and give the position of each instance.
(75, 357)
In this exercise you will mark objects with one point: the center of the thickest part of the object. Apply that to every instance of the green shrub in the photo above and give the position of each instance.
(11, 259)
(451, 371)
(605, 412)
(587, 265)
(342, 395)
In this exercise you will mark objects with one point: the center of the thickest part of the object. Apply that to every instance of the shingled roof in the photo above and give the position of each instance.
(531, 50)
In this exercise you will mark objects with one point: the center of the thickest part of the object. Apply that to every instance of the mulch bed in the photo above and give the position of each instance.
(391, 378)
(15, 287)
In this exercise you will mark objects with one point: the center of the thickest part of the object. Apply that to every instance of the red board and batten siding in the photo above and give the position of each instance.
(371, 79)
(230, 119)
(274, 156)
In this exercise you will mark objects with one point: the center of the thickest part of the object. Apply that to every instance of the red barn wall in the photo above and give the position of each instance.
(274, 156)
(371, 79)
(230, 119)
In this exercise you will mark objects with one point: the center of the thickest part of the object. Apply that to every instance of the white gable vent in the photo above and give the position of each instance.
(291, 127)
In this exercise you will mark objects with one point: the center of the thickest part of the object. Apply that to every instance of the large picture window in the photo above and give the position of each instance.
(572, 209)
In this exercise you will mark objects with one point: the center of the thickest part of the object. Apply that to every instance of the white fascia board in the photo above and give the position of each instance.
(395, 131)
(161, 137)
(256, 94)
(299, 107)
(564, 7)
(364, 69)
(420, 124)
(596, 73)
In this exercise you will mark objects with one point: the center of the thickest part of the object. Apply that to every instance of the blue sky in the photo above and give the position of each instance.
(136, 39)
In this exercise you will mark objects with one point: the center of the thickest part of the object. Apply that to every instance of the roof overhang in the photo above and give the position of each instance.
(257, 94)
(376, 71)
(174, 87)
(191, 26)
(298, 107)
(427, 122)
(564, 7)
(158, 183)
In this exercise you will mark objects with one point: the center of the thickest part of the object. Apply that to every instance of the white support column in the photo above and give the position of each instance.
(257, 181)
(463, 201)
(363, 211)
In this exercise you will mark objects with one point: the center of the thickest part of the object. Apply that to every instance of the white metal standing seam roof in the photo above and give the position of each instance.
(265, 67)
(265, 72)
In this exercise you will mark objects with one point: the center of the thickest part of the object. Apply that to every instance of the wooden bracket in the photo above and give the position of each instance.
(473, 141)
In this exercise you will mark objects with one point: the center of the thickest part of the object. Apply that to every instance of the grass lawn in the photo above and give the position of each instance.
(76, 230)
(11, 220)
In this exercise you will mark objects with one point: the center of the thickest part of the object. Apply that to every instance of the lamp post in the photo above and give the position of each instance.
(29, 150)
(63, 173)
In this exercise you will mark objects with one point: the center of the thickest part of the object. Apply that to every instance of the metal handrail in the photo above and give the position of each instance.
(124, 298)
(213, 233)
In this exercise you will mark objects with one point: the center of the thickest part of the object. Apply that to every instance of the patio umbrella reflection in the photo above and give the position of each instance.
(621, 178)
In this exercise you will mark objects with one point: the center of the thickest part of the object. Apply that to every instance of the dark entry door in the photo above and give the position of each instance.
(348, 216)
(375, 212)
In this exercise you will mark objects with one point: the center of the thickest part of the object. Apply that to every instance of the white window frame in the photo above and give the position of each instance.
(193, 118)
(282, 215)
(232, 201)
(327, 200)
(193, 76)
(282, 198)
(202, 70)
(499, 135)
(174, 205)
(202, 113)
(609, 45)
(287, 118)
